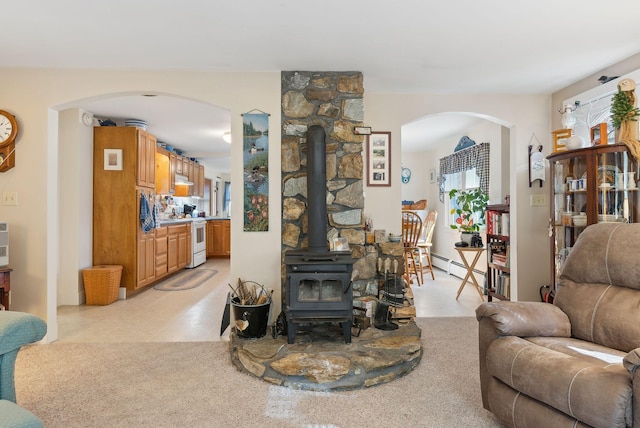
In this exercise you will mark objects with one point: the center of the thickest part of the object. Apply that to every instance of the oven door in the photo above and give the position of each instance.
(199, 238)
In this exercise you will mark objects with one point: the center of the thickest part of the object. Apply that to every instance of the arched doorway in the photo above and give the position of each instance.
(170, 117)
(429, 138)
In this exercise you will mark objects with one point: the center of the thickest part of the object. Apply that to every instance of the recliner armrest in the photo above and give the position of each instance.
(18, 329)
(525, 319)
(631, 361)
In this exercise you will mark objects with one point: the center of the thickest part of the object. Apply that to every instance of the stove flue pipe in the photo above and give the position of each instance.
(317, 189)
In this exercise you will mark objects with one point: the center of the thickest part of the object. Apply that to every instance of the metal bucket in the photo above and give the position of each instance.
(250, 320)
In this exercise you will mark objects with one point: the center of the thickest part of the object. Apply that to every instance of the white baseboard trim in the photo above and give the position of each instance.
(451, 267)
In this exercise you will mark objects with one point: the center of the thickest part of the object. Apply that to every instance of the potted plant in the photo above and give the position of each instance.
(469, 202)
(624, 112)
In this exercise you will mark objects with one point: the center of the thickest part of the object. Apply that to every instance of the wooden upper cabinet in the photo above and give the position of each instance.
(165, 171)
(173, 160)
(178, 165)
(146, 171)
(200, 180)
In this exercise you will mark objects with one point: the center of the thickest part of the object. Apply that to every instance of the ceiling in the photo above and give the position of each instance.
(404, 46)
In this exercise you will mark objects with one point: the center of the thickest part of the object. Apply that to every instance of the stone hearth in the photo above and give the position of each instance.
(321, 361)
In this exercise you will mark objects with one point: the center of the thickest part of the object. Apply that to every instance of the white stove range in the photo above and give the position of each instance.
(198, 243)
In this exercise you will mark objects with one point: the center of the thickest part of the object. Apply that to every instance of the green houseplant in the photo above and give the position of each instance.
(624, 113)
(469, 202)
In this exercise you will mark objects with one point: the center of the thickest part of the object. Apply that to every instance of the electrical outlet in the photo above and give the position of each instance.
(537, 200)
(9, 198)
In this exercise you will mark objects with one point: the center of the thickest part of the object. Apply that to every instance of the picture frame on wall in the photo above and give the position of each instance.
(560, 138)
(379, 159)
(599, 134)
(113, 159)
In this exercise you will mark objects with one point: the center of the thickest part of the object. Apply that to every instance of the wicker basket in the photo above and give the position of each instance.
(101, 284)
(419, 205)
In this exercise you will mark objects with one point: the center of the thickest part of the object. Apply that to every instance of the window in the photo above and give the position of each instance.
(463, 180)
(227, 198)
(465, 169)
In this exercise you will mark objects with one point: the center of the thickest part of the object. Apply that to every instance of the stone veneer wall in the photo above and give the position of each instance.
(333, 100)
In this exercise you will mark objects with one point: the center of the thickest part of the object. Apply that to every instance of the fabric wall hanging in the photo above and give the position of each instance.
(255, 140)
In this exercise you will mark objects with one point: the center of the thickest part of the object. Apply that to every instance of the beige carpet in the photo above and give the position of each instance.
(185, 280)
(195, 385)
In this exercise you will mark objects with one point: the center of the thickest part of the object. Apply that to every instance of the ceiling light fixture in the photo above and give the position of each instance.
(227, 137)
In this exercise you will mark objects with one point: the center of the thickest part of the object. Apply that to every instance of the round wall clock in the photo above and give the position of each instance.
(406, 175)
(8, 134)
(8, 128)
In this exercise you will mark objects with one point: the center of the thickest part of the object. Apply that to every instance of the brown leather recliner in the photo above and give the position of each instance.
(571, 363)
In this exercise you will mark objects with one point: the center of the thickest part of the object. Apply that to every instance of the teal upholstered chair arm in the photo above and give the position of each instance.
(16, 329)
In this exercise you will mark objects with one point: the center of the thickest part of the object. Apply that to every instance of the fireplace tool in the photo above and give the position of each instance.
(389, 295)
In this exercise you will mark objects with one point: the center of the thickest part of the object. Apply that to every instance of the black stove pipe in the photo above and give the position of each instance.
(317, 189)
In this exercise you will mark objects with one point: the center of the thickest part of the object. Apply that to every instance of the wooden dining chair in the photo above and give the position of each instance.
(411, 230)
(424, 244)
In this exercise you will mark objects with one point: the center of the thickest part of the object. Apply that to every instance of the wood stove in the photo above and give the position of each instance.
(318, 281)
(318, 289)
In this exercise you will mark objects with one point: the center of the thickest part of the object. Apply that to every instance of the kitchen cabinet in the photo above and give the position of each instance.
(161, 251)
(178, 164)
(145, 259)
(218, 238)
(178, 246)
(199, 180)
(195, 174)
(165, 179)
(187, 168)
(590, 185)
(117, 235)
(146, 171)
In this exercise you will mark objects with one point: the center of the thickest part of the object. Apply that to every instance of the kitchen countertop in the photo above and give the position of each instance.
(169, 221)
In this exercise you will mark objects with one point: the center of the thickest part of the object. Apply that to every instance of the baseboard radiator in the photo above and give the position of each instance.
(452, 267)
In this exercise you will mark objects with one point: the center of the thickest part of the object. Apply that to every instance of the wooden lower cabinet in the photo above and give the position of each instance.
(146, 259)
(161, 252)
(172, 252)
(178, 247)
(218, 238)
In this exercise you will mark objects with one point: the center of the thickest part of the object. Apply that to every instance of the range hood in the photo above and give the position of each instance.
(183, 180)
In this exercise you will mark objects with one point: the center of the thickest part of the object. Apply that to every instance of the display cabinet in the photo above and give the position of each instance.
(498, 249)
(590, 185)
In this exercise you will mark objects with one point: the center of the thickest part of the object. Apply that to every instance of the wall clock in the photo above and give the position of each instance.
(406, 175)
(8, 134)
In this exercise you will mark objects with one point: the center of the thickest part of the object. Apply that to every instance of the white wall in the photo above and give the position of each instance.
(526, 115)
(444, 237)
(36, 95)
(76, 204)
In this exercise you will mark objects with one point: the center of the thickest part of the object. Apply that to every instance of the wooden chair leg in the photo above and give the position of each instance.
(428, 256)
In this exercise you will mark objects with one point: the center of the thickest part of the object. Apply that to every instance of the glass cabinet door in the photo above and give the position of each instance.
(569, 205)
(616, 181)
(591, 185)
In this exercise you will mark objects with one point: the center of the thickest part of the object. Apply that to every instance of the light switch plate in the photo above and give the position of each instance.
(9, 198)
(538, 200)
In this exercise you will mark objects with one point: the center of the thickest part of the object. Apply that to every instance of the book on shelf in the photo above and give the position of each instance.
(503, 286)
(499, 253)
(497, 223)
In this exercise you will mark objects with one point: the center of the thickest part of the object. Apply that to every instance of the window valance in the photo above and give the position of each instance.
(473, 157)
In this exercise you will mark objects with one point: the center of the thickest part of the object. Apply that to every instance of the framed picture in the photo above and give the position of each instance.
(379, 159)
(560, 139)
(432, 175)
(113, 159)
(599, 134)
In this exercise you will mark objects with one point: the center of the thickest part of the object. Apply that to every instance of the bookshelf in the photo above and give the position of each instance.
(498, 273)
